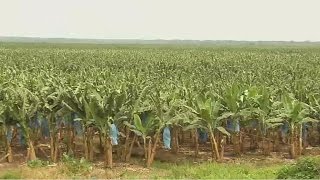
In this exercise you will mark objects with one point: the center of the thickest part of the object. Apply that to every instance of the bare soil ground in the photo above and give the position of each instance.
(135, 166)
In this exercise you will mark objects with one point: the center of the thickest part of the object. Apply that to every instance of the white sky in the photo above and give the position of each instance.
(296, 20)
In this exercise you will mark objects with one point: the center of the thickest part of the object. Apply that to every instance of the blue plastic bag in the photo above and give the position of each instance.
(114, 134)
(166, 138)
(203, 136)
(21, 138)
(45, 128)
(77, 124)
(305, 127)
(284, 129)
(233, 126)
(9, 134)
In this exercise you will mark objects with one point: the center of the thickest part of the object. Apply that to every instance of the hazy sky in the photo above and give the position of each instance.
(297, 20)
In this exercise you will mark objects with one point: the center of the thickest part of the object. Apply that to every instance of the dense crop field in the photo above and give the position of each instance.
(246, 98)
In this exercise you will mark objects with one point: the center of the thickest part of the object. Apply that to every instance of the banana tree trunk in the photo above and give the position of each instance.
(149, 147)
(145, 147)
(175, 139)
(152, 149)
(9, 152)
(126, 145)
(253, 139)
(54, 139)
(196, 143)
(292, 150)
(181, 135)
(8, 145)
(108, 152)
(263, 144)
(90, 143)
(214, 146)
(236, 143)
(268, 138)
(54, 146)
(266, 143)
(70, 140)
(277, 147)
(222, 144)
(101, 143)
(300, 147)
(31, 153)
(241, 142)
(128, 155)
(85, 144)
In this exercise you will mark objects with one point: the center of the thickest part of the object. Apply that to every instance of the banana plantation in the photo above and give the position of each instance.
(74, 99)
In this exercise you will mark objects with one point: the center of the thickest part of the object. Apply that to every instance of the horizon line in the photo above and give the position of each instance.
(160, 39)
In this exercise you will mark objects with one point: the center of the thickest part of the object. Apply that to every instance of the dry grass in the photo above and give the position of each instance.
(61, 171)
(135, 170)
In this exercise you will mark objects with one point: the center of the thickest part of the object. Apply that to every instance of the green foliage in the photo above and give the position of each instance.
(116, 84)
(11, 175)
(189, 170)
(75, 166)
(305, 168)
(208, 114)
(292, 111)
(222, 171)
(37, 163)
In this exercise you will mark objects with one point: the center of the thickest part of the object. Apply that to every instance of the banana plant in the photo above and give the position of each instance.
(76, 100)
(208, 113)
(50, 96)
(146, 127)
(295, 113)
(166, 112)
(106, 109)
(143, 129)
(23, 105)
(4, 124)
(233, 103)
(175, 100)
(314, 104)
(159, 107)
(131, 107)
(187, 97)
(260, 106)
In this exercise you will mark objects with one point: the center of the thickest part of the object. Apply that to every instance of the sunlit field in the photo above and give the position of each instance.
(158, 111)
